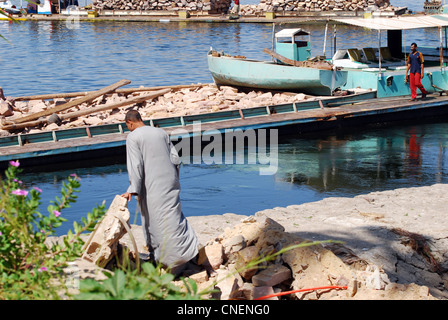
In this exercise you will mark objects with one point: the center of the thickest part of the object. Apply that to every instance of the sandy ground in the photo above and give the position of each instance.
(375, 226)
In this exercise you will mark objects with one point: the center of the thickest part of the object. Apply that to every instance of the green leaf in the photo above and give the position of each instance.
(115, 285)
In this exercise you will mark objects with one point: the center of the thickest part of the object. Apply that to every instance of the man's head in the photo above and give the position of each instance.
(413, 47)
(133, 120)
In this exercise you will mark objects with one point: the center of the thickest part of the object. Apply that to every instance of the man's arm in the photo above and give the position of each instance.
(134, 163)
(422, 64)
(128, 195)
(407, 72)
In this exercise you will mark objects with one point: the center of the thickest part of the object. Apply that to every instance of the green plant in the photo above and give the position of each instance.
(30, 265)
(149, 283)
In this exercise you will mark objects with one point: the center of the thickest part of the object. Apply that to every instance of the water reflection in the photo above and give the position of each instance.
(361, 162)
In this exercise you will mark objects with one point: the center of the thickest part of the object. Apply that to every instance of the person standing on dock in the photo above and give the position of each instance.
(152, 164)
(415, 67)
(237, 7)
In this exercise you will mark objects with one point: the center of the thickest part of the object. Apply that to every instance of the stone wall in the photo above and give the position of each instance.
(220, 6)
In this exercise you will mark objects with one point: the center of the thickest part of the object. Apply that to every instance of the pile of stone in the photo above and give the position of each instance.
(215, 6)
(255, 257)
(315, 6)
(186, 101)
(223, 6)
(287, 265)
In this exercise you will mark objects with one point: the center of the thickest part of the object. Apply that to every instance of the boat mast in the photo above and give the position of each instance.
(325, 39)
(441, 47)
(273, 38)
(379, 53)
(334, 39)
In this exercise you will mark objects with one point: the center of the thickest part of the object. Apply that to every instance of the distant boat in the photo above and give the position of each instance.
(8, 7)
(292, 69)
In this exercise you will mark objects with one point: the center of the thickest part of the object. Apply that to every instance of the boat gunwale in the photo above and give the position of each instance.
(89, 132)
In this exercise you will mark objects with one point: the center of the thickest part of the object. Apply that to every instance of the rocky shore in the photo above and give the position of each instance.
(394, 246)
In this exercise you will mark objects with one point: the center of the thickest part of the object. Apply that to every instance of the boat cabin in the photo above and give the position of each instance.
(293, 44)
(383, 69)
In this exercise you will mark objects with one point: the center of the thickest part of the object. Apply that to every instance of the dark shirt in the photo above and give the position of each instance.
(416, 61)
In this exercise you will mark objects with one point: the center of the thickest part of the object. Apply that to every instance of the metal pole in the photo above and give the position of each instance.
(273, 38)
(325, 38)
(441, 47)
(334, 39)
(379, 51)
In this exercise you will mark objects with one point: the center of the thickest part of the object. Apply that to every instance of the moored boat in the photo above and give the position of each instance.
(292, 70)
(383, 69)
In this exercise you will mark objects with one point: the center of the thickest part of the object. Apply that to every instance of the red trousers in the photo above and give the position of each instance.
(415, 80)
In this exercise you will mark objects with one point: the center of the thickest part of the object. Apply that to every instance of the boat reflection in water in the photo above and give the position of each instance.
(363, 162)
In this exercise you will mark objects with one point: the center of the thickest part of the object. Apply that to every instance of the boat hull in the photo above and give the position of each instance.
(272, 76)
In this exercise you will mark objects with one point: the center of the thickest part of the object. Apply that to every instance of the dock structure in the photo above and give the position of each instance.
(201, 16)
(295, 118)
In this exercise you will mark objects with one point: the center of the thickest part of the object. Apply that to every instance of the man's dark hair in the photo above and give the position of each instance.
(414, 44)
(133, 115)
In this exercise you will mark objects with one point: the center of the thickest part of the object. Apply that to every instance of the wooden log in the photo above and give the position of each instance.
(81, 113)
(122, 90)
(68, 105)
(304, 64)
(109, 106)
(18, 126)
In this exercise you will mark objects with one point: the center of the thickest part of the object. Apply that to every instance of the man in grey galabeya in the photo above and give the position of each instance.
(152, 164)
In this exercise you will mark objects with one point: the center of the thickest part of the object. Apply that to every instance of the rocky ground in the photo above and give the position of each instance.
(197, 99)
(394, 247)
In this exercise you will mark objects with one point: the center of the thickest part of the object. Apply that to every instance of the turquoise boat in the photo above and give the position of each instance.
(315, 78)
(381, 70)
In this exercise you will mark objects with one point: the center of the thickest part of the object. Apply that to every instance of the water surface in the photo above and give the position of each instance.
(46, 57)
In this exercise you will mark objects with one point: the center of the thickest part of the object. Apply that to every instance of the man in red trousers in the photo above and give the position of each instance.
(415, 66)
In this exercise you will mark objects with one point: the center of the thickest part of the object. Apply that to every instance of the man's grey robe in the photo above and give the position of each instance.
(153, 174)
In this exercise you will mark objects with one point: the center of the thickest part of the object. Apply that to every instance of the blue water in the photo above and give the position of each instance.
(310, 168)
(47, 57)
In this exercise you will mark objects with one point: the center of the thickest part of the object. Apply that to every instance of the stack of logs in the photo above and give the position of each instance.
(223, 6)
(212, 6)
(315, 6)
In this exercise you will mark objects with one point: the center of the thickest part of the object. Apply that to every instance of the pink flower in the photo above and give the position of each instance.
(14, 163)
(37, 189)
(43, 269)
(19, 192)
(75, 176)
(56, 213)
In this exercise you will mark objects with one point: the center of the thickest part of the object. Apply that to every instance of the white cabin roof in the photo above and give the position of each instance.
(398, 22)
(290, 33)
